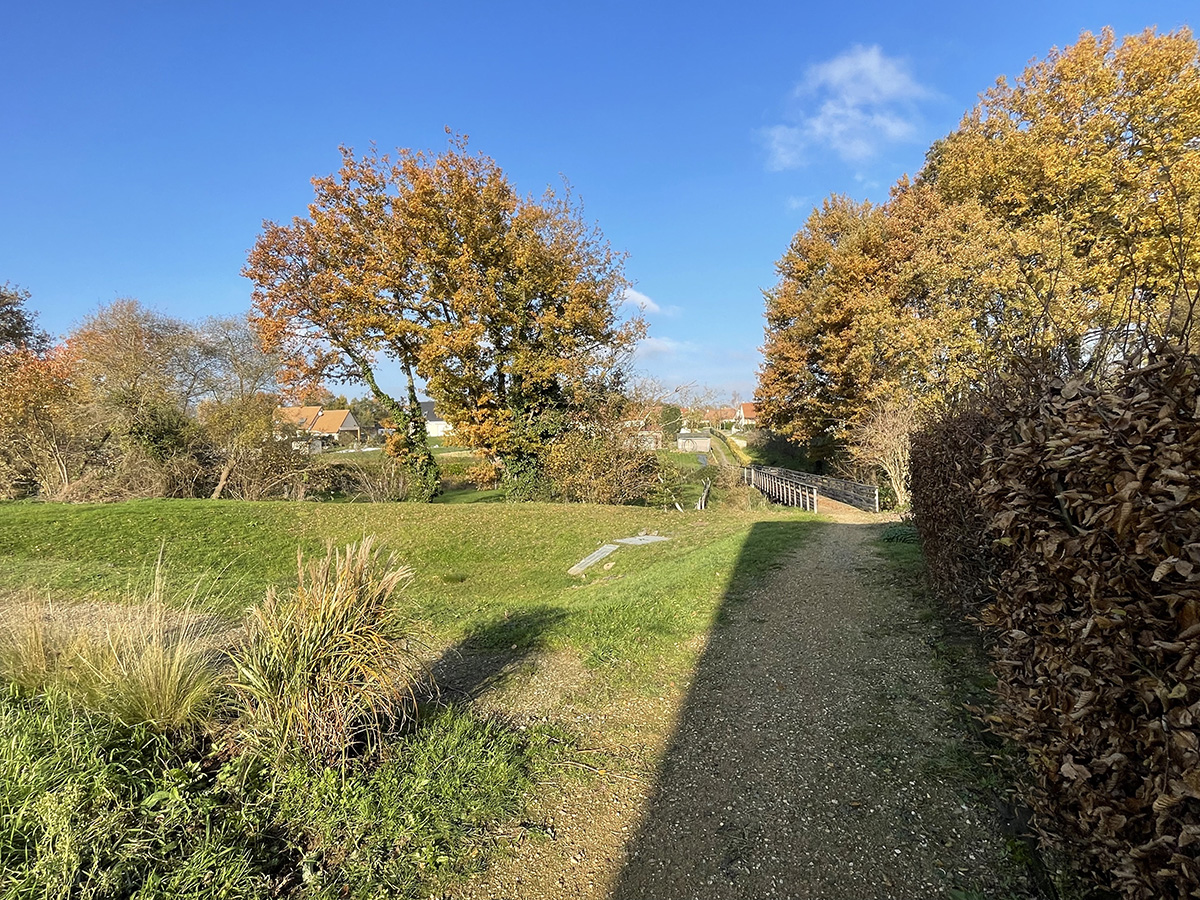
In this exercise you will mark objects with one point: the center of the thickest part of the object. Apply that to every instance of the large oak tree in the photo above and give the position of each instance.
(506, 306)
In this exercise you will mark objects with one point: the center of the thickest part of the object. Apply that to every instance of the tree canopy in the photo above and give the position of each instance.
(18, 325)
(506, 306)
(1057, 224)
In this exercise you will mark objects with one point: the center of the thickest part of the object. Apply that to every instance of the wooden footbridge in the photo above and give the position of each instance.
(801, 489)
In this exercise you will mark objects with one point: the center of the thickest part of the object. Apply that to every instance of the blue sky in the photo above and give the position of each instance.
(144, 143)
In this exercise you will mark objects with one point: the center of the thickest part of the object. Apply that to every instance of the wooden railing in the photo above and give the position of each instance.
(852, 493)
(861, 496)
(782, 486)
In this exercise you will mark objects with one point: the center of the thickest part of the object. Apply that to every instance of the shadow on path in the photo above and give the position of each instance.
(800, 766)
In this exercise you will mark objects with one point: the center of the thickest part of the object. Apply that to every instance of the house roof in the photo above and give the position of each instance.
(315, 420)
(331, 421)
(749, 411)
(302, 417)
(429, 408)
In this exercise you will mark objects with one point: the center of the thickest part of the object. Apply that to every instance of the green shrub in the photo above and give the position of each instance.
(329, 669)
(900, 533)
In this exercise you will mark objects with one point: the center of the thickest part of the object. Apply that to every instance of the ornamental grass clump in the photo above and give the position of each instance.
(144, 664)
(329, 669)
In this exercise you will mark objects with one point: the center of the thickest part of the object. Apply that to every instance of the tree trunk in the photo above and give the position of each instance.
(225, 470)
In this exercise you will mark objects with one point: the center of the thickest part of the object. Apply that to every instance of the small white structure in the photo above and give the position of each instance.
(435, 425)
(747, 416)
(693, 442)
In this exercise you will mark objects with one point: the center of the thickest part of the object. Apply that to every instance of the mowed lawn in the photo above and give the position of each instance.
(494, 572)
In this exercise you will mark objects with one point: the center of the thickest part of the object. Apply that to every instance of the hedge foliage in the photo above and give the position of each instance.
(1081, 509)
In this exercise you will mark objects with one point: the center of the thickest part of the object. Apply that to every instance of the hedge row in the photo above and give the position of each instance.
(1078, 512)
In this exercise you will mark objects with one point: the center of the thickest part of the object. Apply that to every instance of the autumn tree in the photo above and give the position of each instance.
(48, 439)
(18, 325)
(524, 295)
(138, 360)
(1089, 165)
(338, 289)
(505, 306)
(233, 365)
(1053, 231)
(881, 440)
(829, 324)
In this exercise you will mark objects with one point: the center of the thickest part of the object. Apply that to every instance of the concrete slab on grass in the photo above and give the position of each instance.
(592, 559)
(641, 539)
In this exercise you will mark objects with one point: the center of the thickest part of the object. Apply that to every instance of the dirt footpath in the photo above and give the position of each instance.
(804, 762)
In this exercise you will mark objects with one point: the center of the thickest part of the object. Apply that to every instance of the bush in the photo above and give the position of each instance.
(944, 476)
(484, 475)
(604, 466)
(381, 480)
(329, 669)
(1080, 510)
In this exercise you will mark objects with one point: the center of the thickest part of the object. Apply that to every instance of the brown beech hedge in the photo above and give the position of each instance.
(1081, 509)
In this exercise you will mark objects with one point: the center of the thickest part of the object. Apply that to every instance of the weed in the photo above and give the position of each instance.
(90, 808)
(428, 811)
(900, 533)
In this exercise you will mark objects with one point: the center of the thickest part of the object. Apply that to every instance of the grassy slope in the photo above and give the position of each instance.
(495, 571)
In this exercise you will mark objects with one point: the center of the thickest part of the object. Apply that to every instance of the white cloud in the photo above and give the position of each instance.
(853, 104)
(645, 304)
(659, 348)
(640, 300)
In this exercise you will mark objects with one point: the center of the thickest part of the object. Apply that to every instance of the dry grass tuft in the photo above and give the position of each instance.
(330, 669)
(139, 664)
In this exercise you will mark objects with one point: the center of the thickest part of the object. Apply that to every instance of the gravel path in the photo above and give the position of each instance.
(804, 763)
(800, 766)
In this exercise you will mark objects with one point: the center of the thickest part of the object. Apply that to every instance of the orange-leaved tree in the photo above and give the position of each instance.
(506, 306)
(49, 435)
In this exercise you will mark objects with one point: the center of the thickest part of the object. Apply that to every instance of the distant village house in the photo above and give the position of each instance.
(747, 415)
(435, 425)
(322, 424)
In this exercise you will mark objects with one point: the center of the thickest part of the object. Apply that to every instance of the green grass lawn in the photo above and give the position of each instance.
(479, 568)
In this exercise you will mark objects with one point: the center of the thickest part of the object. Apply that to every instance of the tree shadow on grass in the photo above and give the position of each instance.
(491, 650)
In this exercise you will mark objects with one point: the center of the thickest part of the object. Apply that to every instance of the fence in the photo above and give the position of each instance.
(781, 486)
(861, 496)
